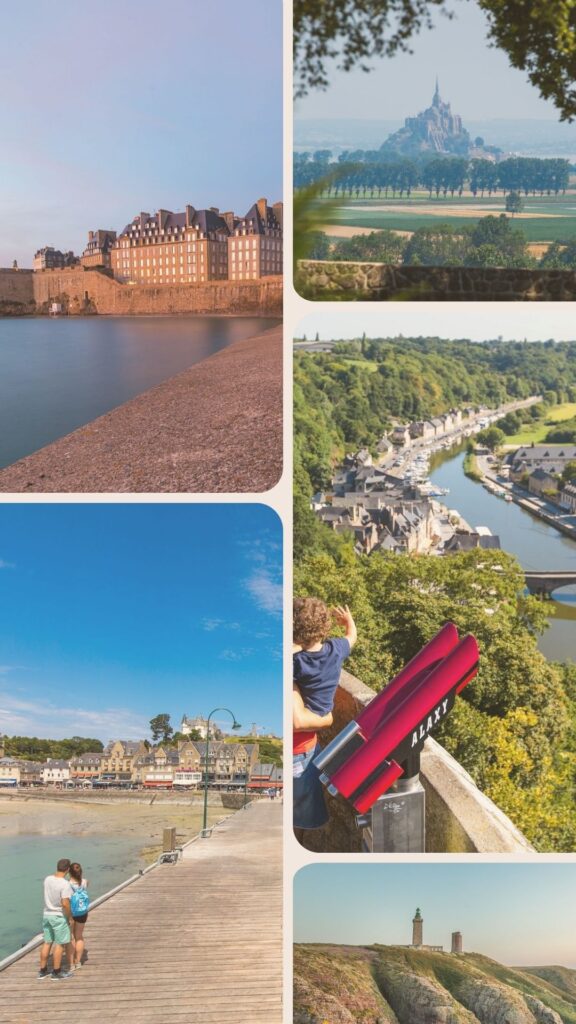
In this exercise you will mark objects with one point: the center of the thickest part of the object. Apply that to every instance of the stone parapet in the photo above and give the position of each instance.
(339, 280)
(459, 817)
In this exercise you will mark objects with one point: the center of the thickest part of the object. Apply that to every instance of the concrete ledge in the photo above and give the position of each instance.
(355, 282)
(459, 817)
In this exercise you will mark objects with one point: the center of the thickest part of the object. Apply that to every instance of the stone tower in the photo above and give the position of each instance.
(456, 942)
(417, 928)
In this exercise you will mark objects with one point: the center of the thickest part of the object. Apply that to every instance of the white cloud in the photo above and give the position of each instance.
(6, 565)
(211, 624)
(44, 719)
(266, 591)
(236, 655)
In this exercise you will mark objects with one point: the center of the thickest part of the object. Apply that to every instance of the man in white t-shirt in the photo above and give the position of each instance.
(56, 921)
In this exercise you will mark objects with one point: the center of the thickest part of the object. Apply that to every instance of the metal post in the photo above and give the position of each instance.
(396, 823)
(235, 725)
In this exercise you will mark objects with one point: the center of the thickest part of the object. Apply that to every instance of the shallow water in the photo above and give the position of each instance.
(58, 374)
(108, 840)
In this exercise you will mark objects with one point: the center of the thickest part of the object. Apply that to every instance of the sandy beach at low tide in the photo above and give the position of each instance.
(141, 821)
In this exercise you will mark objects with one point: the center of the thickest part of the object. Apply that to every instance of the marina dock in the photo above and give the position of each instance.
(197, 941)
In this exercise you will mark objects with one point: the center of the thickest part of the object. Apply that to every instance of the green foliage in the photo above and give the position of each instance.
(538, 38)
(161, 729)
(30, 748)
(514, 203)
(492, 438)
(514, 729)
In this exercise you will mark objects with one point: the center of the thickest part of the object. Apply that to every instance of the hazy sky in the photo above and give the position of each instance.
(520, 914)
(112, 613)
(114, 107)
(474, 78)
(512, 320)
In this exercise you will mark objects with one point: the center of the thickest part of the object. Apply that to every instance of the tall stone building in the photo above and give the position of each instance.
(97, 252)
(456, 942)
(199, 245)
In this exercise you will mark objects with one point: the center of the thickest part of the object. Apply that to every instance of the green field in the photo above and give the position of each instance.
(540, 228)
(536, 431)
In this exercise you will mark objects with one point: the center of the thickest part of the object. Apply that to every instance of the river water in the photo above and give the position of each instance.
(58, 374)
(535, 545)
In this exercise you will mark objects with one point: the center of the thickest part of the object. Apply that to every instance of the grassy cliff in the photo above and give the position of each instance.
(396, 985)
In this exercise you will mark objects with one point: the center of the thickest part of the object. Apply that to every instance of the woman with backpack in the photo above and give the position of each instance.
(79, 905)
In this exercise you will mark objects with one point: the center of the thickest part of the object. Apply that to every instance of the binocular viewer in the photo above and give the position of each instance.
(384, 742)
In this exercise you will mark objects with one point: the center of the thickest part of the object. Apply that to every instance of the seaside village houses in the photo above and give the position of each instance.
(128, 763)
(191, 247)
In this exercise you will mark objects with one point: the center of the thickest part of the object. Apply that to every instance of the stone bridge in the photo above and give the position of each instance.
(546, 583)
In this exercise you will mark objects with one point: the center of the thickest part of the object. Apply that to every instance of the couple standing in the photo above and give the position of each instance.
(66, 904)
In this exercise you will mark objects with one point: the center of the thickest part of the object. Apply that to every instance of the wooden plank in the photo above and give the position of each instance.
(200, 941)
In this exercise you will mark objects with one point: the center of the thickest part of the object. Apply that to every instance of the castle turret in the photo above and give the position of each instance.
(417, 928)
(436, 101)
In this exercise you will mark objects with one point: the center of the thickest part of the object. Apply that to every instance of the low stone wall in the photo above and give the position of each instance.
(85, 292)
(16, 292)
(319, 280)
(459, 818)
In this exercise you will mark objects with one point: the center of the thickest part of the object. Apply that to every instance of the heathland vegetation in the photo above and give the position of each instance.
(396, 985)
(515, 729)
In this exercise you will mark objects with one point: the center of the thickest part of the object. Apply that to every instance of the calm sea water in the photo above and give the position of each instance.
(56, 375)
(26, 860)
(536, 545)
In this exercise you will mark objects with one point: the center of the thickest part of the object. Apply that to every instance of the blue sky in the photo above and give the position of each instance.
(512, 321)
(112, 613)
(519, 914)
(115, 107)
(474, 77)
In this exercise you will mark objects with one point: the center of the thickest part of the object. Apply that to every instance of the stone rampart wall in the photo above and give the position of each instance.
(459, 817)
(83, 292)
(16, 291)
(376, 281)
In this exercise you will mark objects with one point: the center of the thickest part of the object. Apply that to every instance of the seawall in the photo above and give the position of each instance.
(215, 427)
(320, 280)
(16, 292)
(87, 292)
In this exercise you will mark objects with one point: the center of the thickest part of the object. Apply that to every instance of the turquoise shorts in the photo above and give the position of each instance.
(56, 929)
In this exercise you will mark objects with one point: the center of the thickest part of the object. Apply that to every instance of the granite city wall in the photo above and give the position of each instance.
(340, 281)
(16, 292)
(82, 292)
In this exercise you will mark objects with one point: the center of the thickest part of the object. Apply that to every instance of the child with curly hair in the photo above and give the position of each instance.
(317, 663)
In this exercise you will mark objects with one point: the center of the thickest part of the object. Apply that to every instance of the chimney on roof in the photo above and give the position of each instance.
(90, 236)
(278, 209)
(229, 218)
(190, 214)
(262, 205)
(162, 218)
(215, 210)
(143, 217)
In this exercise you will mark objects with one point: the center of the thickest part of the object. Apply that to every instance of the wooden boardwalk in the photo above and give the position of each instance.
(200, 941)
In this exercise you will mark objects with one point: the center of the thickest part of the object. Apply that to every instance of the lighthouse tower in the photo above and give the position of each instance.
(417, 928)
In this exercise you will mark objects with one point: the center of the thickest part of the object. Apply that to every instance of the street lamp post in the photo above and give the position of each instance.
(235, 725)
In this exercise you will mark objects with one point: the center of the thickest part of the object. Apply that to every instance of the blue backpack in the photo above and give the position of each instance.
(79, 902)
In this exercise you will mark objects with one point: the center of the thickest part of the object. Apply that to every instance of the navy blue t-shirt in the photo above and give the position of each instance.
(317, 673)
